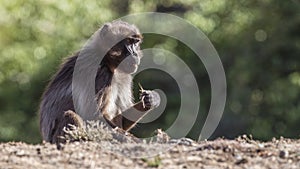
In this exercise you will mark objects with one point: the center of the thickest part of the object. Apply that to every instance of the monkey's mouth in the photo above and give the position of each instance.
(128, 66)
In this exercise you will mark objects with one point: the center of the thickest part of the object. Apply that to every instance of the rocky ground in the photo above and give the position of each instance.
(242, 152)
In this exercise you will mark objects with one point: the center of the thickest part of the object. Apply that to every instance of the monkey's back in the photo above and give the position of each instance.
(57, 99)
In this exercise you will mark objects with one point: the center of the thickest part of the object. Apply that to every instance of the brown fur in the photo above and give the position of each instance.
(113, 88)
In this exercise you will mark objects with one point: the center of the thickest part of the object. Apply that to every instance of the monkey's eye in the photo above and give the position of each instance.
(132, 40)
(138, 36)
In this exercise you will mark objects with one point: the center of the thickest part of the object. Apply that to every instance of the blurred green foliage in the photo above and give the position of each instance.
(258, 43)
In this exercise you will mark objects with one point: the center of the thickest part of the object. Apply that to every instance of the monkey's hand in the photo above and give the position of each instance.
(131, 116)
(150, 99)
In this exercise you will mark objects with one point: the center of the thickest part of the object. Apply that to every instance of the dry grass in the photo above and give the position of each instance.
(91, 131)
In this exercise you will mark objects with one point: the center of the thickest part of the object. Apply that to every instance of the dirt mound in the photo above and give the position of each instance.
(184, 153)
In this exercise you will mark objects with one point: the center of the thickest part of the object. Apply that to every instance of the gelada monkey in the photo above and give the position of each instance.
(113, 86)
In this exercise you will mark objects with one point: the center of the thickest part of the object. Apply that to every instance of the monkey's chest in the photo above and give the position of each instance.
(117, 102)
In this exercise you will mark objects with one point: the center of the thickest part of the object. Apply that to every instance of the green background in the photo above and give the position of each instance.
(258, 42)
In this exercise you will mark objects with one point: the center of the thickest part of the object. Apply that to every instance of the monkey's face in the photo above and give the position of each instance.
(126, 55)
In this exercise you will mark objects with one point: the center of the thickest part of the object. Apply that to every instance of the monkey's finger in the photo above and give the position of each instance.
(146, 92)
(143, 101)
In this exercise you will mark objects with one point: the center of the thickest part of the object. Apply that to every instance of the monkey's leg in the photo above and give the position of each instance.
(128, 119)
(69, 117)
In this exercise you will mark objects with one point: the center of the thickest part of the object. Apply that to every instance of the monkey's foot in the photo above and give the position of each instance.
(124, 136)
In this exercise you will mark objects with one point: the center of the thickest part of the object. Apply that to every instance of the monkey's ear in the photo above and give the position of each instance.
(104, 30)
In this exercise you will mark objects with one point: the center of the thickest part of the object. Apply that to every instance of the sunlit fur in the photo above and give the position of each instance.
(113, 86)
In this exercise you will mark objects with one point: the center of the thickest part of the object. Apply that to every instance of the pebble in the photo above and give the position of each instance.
(283, 154)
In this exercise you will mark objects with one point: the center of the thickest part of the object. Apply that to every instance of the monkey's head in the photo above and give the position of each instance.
(125, 55)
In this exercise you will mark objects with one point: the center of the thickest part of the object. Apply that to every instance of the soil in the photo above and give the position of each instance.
(242, 152)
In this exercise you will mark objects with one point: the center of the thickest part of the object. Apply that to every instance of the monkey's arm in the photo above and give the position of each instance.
(127, 119)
